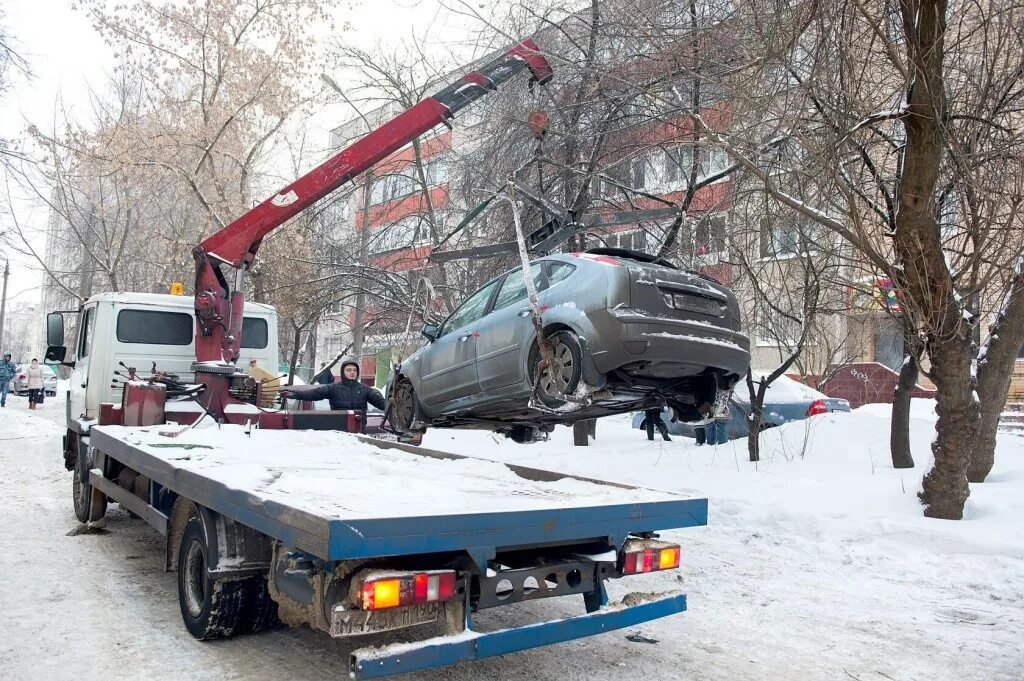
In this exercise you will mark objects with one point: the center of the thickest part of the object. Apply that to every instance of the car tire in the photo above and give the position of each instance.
(90, 503)
(402, 412)
(567, 354)
(210, 608)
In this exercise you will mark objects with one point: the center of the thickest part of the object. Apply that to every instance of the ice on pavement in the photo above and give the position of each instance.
(335, 475)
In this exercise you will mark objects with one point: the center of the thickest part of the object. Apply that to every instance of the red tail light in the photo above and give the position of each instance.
(21, 377)
(817, 407)
(411, 588)
(605, 259)
(649, 556)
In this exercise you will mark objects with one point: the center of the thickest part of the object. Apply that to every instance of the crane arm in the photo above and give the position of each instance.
(218, 306)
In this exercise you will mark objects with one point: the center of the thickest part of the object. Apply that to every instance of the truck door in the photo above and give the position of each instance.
(79, 382)
(448, 369)
(504, 330)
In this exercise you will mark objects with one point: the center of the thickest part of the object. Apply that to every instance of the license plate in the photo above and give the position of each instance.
(352, 622)
(697, 304)
(387, 437)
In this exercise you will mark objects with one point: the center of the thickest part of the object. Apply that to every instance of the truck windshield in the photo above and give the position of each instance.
(154, 327)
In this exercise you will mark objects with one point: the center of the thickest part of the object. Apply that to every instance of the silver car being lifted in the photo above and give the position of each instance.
(626, 331)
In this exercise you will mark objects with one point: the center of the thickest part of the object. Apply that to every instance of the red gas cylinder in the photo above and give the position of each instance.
(143, 403)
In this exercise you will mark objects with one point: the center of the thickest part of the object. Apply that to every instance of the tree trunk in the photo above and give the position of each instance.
(294, 359)
(899, 433)
(995, 370)
(945, 487)
(756, 417)
(922, 271)
(754, 422)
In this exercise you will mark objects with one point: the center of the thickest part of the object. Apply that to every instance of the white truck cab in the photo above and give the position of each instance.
(139, 329)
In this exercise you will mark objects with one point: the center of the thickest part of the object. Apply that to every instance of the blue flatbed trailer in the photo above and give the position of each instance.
(269, 546)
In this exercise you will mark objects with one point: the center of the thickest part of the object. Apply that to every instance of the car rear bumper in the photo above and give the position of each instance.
(629, 336)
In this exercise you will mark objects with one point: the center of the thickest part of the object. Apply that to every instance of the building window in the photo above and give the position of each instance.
(781, 326)
(634, 240)
(787, 236)
(408, 232)
(710, 238)
(678, 162)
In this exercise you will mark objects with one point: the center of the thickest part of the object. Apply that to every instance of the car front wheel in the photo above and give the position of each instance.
(403, 408)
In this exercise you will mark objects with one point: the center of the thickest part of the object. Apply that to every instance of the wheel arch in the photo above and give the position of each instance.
(582, 329)
(234, 549)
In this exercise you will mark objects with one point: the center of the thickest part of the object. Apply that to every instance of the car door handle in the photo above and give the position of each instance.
(525, 313)
(466, 337)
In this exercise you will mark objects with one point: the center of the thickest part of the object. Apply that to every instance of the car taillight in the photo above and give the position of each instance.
(605, 259)
(408, 589)
(817, 407)
(21, 377)
(649, 557)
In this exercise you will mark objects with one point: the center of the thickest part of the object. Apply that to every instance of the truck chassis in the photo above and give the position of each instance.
(263, 558)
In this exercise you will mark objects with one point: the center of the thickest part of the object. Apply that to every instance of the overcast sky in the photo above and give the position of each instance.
(67, 57)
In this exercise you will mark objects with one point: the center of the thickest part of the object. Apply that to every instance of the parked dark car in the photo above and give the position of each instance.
(626, 332)
(785, 400)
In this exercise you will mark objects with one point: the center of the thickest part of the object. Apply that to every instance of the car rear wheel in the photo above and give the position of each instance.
(563, 377)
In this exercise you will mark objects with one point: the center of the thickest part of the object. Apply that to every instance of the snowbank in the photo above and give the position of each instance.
(834, 465)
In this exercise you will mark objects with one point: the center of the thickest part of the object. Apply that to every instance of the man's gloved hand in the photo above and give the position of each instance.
(287, 393)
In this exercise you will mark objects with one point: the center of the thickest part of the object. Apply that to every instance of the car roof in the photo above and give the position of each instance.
(782, 390)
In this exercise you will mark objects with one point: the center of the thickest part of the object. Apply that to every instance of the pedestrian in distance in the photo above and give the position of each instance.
(7, 371)
(325, 377)
(712, 433)
(36, 390)
(348, 393)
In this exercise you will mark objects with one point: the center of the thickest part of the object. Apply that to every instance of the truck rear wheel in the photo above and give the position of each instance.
(90, 503)
(260, 609)
(210, 608)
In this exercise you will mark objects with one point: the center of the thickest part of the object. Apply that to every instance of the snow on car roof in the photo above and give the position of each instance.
(782, 389)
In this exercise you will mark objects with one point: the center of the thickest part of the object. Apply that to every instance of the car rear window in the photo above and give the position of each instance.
(513, 289)
(154, 327)
(559, 271)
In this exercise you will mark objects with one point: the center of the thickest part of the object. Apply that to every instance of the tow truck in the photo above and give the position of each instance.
(274, 515)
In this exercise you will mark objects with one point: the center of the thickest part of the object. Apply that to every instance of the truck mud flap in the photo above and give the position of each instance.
(374, 663)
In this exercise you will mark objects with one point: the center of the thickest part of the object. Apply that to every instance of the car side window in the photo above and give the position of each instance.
(513, 290)
(85, 340)
(469, 311)
(557, 271)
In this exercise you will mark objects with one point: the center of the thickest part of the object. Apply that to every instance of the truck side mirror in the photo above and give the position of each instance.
(429, 331)
(55, 329)
(55, 354)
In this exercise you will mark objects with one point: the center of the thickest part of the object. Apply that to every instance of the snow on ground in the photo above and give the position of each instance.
(816, 564)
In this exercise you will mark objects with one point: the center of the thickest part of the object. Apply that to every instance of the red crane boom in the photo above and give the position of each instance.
(219, 306)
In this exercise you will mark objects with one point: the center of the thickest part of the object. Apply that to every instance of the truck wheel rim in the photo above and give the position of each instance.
(195, 579)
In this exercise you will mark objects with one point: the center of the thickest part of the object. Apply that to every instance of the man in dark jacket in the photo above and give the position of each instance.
(348, 393)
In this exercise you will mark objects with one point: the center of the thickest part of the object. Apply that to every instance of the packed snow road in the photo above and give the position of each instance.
(816, 565)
